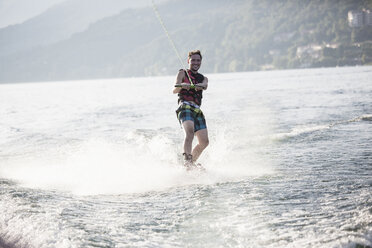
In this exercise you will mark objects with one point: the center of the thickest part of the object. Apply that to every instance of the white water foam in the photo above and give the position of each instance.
(147, 160)
(28, 229)
(138, 164)
(300, 130)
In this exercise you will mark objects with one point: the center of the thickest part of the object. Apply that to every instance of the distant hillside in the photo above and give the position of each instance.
(59, 23)
(235, 35)
(17, 11)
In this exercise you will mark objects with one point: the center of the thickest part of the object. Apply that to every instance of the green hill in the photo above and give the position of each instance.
(238, 35)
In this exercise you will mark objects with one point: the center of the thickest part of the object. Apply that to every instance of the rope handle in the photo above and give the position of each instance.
(192, 86)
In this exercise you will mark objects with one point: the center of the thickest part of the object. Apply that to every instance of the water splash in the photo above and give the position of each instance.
(143, 161)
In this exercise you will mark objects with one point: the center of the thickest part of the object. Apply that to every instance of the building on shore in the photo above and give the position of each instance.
(355, 18)
(368, 17)
(359, 18)
(311, 51)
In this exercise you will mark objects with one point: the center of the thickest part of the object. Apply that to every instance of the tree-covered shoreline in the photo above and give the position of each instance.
(234, 36)
(301, 34)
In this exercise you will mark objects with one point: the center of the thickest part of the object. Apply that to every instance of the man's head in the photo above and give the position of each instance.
(194, 60)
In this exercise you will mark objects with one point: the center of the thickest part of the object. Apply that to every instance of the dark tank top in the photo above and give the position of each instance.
(191, 95)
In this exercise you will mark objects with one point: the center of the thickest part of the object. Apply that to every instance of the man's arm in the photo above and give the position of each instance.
(179, 80)
(203, 85)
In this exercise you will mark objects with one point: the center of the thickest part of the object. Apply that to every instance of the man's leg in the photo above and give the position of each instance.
(188, 127)
(203, 142)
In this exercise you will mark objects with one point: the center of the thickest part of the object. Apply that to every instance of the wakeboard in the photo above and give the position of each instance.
(195, 167)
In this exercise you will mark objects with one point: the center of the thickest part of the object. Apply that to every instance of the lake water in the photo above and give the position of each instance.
(96, 163)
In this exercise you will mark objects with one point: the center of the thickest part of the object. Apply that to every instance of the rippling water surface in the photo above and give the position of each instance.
(96, 163)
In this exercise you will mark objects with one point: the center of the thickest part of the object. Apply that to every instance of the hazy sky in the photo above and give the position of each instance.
(17, 11)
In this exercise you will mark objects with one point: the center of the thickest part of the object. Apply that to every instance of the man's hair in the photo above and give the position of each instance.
(195, 52)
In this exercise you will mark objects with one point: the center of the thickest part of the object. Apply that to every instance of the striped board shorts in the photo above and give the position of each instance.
(186, 112)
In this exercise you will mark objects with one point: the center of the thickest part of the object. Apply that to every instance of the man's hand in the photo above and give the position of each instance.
(201, 86)
(185, 86)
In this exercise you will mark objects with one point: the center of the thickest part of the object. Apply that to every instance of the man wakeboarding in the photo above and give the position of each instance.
(190, 86)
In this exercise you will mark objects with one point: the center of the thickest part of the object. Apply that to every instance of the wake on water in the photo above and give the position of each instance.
(301, 130)
(147, 160)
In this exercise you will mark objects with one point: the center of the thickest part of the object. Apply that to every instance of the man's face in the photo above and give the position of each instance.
(194, 62)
